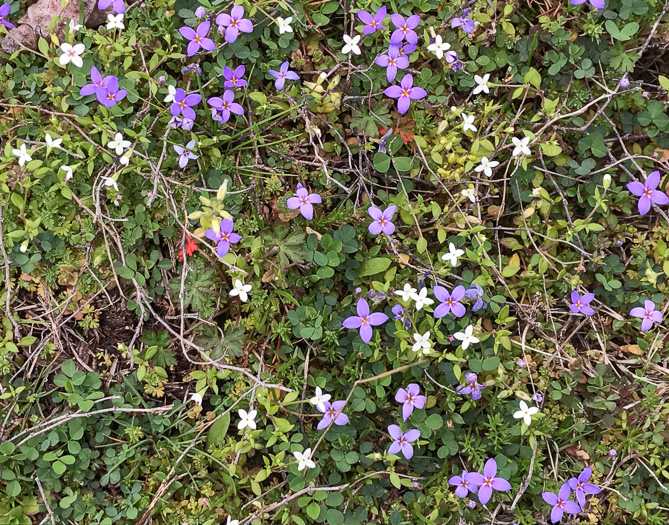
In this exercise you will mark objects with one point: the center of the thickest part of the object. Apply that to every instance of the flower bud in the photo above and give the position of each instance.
(645, 94)
(624, 83)
(142, 7)
(23, 248)
(606, 182)
(200, 12)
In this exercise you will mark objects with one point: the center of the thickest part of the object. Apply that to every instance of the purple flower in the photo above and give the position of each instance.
(400, 315)
(488, 481)
(538, 398)
(464, 486)
(185, 154)
(222, 107)
(234, 23)
(450, 303)
(471, 504)
(597, 4)
(118, 5)
(382, 143)
(198, 38)
(648, 313)
(233, 78)
(402, 442)
(406, 49)
(409, 399)
(372, 23)
(648, 193)
(466, 23)
(364, 320)
(225, 237)
(405, 29)
(581, 487)
(332, 412)
(624, 83)
(96, 82)
(613, 452)
(192, 68)
(580, 304)
(476, 292)
(283, 74)
(4, 12)
(392, 61)
(382, 220)
(405, 93)
(560, 503)
(183, 103)
(304, 201)
(200, 12)
(473, 387)
(183, 123)
(109, 94)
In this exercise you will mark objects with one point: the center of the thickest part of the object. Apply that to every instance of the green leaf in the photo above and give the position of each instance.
(68, 368)
(491, 363)
(510, 271)
(217, 431)
(627, 31)
(434, 422)
(664, 82)
(403, 163)
(373, 266)
(533, 78)
(13, 489)
(381, 162)
(314, 510)
(59, 467)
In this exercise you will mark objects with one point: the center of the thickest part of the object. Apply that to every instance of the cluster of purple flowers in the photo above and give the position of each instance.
(647, 312)
(410, 399)
(229, 25)
(106, 90)
(561, 502)
(483, 484)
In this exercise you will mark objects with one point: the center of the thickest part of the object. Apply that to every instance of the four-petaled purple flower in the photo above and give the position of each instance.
(222, 107)
(488, 481)
(283, 74)
(372, 23)
(450, 303)
(382, 220)
(402, 441)
(400, 315)
(4, 12)
(225, 237)
(109, 93)
(580, 303)
(473, 387)
(233, 77)
(597, 4)
(332, 412)
(648, 313)
(118, 5)
(185, 154)
(476, 292)
(405, 93)
(410, 399)
(364, 320)
(96, 82)
(234, 23)
(392, 61)
(183, 103)
(405, 29)
(581, 487)
(304, 201)
(647, 192)
(198, 38)
(464, 487)
(560, 503)
(466, 23)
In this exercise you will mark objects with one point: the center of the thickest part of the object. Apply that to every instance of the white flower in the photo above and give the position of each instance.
(171, 91)
(22, 154)
(196, 397)
(525, 413)
(422, 342)
(351, 45)
(23, 248)
(421, 299)
(247, 419)
(284, 24)
(452, 255)
(466, 337)
(468, 122)
(521, 146)
(51, 142)
(407, 293)
(241, 290)
(125, 159)
(606, 181)
(303, 459)
(481, 84)
(108, 181)
(438, 47)
(71, 53)
(536, 192)
(469, 193)
(320, 399)
(74, 27)
(118, 144)
(68, 172)
(231, 521)
(486, 166)
(115, 21)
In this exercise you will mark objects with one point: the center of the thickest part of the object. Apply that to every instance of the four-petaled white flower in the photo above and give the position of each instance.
(351, 45)
(196, 397)
(118, 144)
(481, 84)
(115, 21)
(520, 146)
(303, 459)
(422, 299)
(467, 337)
(486, 166)
(469, 193)
(422, 343)
(452, 255)
(171, 91)
(109, 182)
(230, 521)
(468, 122)
(52, 143)
(71, 53)
(320, 399)
(242, 290)
(284, 24)
(525, 413)
(68, 172)
(406, 294)
(438, 47)
(247, 419)
(22, 154)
